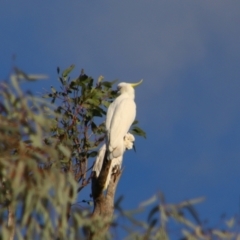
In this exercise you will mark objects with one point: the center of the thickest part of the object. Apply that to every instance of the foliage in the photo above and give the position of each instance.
(174, 221)
(80, 108)
(29, 188)
(47, 150)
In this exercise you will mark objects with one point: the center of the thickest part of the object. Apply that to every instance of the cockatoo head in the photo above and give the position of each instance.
(124, 87)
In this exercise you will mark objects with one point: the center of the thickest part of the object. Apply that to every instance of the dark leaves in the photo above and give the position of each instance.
(92, 154)
(138, 131)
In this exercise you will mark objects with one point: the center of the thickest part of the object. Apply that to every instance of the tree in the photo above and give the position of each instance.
(47, 152)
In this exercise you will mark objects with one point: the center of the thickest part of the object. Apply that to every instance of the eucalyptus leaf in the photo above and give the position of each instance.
(68, 70)
(138, 131)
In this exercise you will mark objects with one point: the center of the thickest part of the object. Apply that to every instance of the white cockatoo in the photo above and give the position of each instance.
(128, 144)
(120, 116)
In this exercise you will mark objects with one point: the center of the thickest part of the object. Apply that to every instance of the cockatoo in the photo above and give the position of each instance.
(120, 116)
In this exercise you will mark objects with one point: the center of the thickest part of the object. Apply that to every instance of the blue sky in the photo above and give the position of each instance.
(188, 54)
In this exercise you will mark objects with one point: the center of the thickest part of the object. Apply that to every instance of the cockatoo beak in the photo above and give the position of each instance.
(136, 84)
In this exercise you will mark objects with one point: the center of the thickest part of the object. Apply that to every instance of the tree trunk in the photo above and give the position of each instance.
(103, 203)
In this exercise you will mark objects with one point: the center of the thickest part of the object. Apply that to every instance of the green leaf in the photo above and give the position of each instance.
(230, 223)
(94, 101)
(64, 150)
(73, 84)
(47, 95)
(107, 84)
(113, 94)
(100, 79)
(53, 100)
(68, 70)
(135, 122)
(58, 110)
(138, 131)
(20, 75)
(114, 81)
(83, 79)
(92, 154)
(149, 201)
(98, 112)
(97, 93)
(93, 127)
(90, 84)
(106, 103)
(62, 80)
(53, 89)
(153, 211)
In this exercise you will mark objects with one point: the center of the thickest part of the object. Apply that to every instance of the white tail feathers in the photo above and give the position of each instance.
(99, 160)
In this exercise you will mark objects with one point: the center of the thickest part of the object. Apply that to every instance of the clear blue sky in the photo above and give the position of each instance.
(188, 54)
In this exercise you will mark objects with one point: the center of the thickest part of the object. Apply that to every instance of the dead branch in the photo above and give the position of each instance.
(103, 203)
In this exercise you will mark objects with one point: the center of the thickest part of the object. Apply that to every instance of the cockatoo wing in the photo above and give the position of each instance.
(122, 118)
(110, 112)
